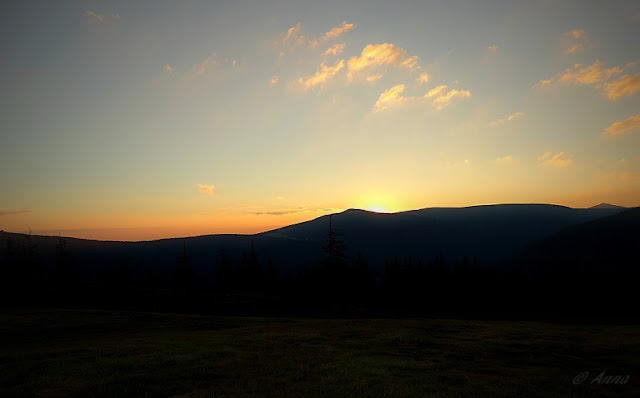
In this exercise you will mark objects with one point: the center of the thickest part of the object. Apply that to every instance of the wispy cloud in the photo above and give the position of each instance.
(297, 210)
(390, 97)
(627, 175)
(443, 100)
(437, 96)
(493, 48)
(274, 79)
(209, 63)
(577, 33)
(626, 85)
(623, 127)
(95, 17)
(599, 77)
(380, 55)
(16, 213)
(506, 118)
(577, 39)
(504, 159)
(335, 49)
(337, 31)
(322, 75)
(294, 38)
(168, 68)
(557, 160)
(423, 78)
(280, 212)
(208, 189)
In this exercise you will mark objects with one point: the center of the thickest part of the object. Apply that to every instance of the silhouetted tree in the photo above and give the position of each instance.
(184, 276)
(65, 272)
(224, 273)
(335, 249)
(250, 275)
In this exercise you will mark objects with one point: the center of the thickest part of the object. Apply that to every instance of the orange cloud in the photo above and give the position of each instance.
(337, 30)
(322, 75)
(439, 99)
(577, 33)
(444, 100)
(423, 78)
(588, 75)
(507, 118)
(208, 189)
(623, 127)
(597, 76)
(573, 48)
(624, 86)
(380, 55)
(557, 160)
(293, 38)
(390, 97)
(335, 49)
(168, 68)
(578, 38)
(435, 91)
(493, 48)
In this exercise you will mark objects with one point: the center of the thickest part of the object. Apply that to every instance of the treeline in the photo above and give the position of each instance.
(336, 285)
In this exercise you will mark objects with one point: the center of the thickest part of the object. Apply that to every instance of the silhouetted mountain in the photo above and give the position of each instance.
(607, 206)
(606, 247)
(486, 232)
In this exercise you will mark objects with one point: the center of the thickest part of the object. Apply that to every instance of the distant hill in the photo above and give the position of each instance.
(607, 246)
(488, 232)
(607, 206)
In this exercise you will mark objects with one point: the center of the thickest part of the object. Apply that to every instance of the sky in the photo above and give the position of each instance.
(153, 119)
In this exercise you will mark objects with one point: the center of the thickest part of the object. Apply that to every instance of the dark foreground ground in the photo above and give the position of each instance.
(80, 353)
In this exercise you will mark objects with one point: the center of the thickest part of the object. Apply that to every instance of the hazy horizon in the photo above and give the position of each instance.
(137, 121)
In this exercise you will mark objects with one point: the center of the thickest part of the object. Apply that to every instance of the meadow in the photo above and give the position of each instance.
(98, 353)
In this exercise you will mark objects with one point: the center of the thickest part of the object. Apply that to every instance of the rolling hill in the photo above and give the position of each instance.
(488, 232)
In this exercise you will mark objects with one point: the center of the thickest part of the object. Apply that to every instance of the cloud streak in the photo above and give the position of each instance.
(16, 213)
(437, 96)
(557, 160)
(507, 118)
(625, 86)
(294, 38)
(599, 77)
(337, 31)
(95, 17)
(623, 127)
(578, 38)
(380, 55)
(322, 75)
(335, 49)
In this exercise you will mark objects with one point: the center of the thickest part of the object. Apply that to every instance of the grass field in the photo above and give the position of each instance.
(78, 353)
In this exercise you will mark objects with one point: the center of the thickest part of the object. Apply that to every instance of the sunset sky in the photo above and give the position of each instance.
(143, 120)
